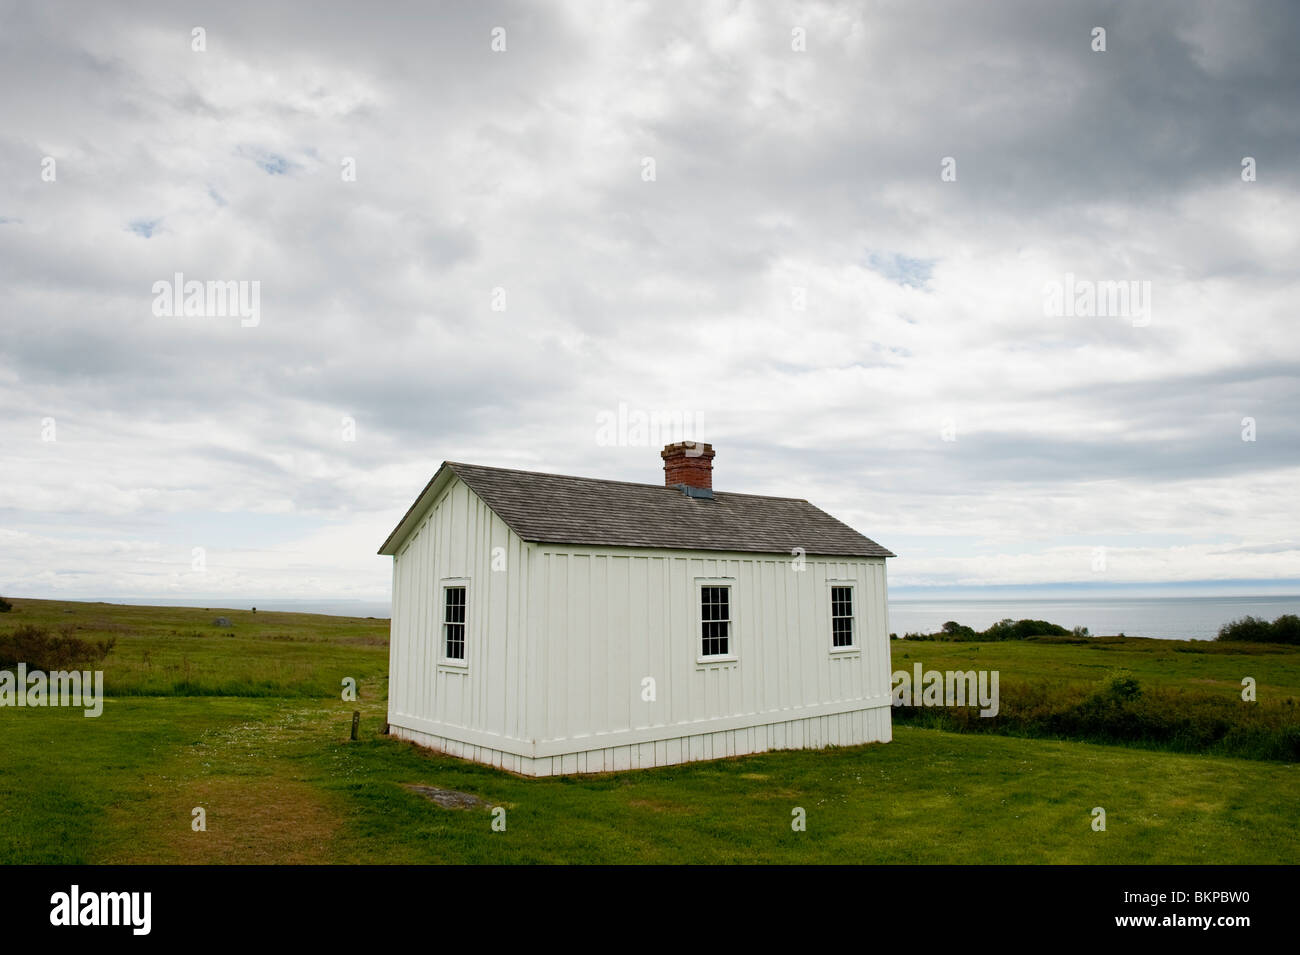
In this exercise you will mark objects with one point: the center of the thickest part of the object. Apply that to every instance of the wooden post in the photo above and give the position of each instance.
(356, 718)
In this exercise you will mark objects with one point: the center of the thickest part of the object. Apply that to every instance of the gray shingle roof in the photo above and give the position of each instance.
(557, 509)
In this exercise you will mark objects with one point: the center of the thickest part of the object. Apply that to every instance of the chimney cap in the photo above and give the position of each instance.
(691, 449)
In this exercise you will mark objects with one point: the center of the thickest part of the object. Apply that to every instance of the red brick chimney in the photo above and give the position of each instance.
(689, 463)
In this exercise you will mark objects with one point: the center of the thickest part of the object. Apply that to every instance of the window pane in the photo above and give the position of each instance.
(842, 631)
(841, 616)
(455, 641)
(715, 620)
(454, 623)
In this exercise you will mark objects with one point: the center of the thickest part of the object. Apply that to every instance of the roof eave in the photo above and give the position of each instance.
(408, 521)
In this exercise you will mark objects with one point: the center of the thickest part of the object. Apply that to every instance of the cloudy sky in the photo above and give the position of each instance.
(831, 239)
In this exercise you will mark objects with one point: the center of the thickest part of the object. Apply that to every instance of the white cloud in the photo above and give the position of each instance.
(522, 170)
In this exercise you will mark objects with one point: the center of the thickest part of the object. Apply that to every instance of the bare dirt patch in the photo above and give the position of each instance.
(449, 798)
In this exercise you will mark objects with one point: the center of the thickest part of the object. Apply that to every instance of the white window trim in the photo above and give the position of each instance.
(443, 659)
(698, 636)
(856, 632)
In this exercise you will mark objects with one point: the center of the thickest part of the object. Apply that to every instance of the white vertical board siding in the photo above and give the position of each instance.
(455, 539)
(559, 642)
(607, 618)
(868, 725)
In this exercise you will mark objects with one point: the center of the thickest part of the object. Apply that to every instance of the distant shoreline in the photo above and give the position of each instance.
(1169, 616)
(360, 609)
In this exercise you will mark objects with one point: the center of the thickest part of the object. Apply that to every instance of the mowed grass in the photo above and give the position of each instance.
(279, 781)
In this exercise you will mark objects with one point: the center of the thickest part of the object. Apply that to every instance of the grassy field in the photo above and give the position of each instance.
(247, 723)
(167, 651)
(1182, 696)
(1216, 668)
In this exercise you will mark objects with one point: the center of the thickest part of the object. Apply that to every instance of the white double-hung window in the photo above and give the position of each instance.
(717, 637)
(843, 630)
(455, 607)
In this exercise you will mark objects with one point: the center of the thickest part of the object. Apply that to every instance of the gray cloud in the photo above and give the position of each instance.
(520, 173)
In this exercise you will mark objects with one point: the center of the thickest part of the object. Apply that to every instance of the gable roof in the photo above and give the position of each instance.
(558, 509)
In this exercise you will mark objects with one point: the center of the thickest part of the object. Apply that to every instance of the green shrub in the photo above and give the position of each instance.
(1022, 629)
(1285, 629)
(1002, 630)
(42, 650)
(5, 606)
(1121, 688)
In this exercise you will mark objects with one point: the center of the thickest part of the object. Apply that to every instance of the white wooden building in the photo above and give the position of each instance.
(548, 624)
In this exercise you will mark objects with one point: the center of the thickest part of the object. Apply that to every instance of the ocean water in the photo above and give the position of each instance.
(1171, 617)
(1174, 618)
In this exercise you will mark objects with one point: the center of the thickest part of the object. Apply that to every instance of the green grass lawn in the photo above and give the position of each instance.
(280, 782)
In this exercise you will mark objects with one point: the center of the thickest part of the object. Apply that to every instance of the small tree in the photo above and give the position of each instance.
(957, 631)
(5, 606)
(1248, 628)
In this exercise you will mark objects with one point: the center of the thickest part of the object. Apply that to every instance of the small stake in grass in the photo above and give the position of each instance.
(356, 718)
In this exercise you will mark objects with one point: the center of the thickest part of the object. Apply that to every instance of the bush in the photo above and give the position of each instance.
(1022, 629)
(45, 651)
(1120, 688)
(5, 606)
(1285, 629)
(1002, 630)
